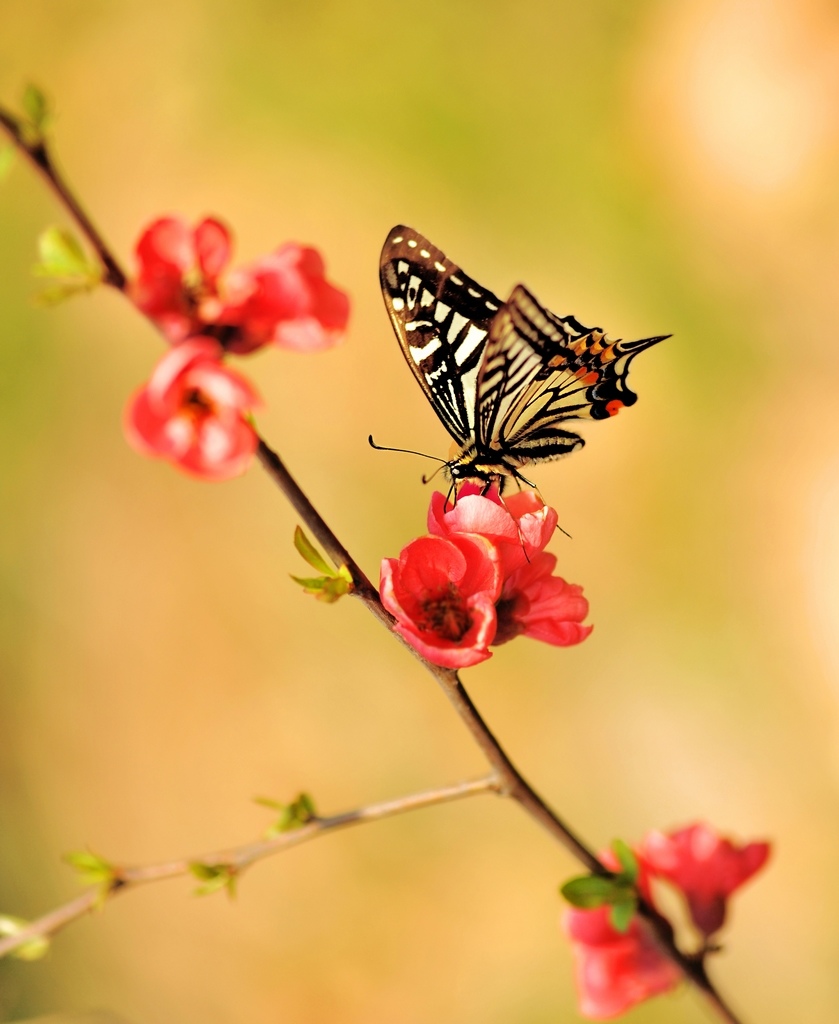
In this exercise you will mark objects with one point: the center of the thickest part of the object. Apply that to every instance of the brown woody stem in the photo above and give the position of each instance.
(237, 859)
(37, 152)
(510, 782)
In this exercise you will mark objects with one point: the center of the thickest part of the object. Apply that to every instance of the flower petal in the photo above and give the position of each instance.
(166, 245)
(212, 247)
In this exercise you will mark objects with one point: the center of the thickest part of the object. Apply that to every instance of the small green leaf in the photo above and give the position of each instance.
(214, 877)
(284, 823)
(329, 587)
(310, 553)
(92, 869)
(325, 588)
(7, 161)
(311, 584)
(36, 107)
(622, 912)
(30, 949)
(63, 258)
(305, 808)
(333, 589)
(294, 815)
(628, 860)
(62, 255)
(266, 801)
(588, 891)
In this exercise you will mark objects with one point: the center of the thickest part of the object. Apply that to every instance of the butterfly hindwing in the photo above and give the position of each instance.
(442, 318)
(524, 337)
(574, 372)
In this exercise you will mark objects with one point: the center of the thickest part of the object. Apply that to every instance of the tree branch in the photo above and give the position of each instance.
(37, 152)
(236, 859)
(511, 782)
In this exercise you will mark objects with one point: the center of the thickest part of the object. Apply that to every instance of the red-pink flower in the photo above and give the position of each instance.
(615, 971)
(532, 602)
(192, 411)
(705, 866)
(542, 606)
(442, 592)
(520, 526)
(282, 298)
(179, 266)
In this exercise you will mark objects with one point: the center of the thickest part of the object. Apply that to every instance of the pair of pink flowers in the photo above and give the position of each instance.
(194, 411)
(616, 970)
(481, 577)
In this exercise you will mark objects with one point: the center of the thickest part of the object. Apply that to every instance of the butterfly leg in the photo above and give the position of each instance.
(523, 480)
(520, 480)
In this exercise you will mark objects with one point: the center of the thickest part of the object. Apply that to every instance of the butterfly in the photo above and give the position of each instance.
(503, 377)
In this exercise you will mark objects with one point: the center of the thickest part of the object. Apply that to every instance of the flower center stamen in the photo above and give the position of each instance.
(196, 404)
(446, 614)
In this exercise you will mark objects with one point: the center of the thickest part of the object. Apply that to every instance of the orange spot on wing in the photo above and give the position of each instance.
(586, 376)
(614, 407)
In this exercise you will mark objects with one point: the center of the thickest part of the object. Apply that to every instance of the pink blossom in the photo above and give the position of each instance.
(536, 604)
(706, 867)
(179, 266)
(615, 971)
(192, 412)
(283, 298)
(442, 592)
(520, 526)
(529, 600)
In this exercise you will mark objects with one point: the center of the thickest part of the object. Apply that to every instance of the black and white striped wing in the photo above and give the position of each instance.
(442, 318)
(541, 370)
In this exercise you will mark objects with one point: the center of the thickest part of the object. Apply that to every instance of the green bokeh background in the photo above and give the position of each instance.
(650, 166)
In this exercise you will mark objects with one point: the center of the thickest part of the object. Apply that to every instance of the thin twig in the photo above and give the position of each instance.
(362, 587)
(237, 858)
(38, 154)
(511, 782)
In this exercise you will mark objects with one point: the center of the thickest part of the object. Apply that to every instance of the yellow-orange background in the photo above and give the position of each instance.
(648, 166)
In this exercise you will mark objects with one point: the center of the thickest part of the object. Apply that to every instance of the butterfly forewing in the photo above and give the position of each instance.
(442, 318)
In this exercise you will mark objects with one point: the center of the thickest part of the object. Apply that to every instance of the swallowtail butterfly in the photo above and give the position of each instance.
(504, 377)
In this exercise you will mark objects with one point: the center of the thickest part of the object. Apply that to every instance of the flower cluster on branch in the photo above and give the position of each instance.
(481, 578)
(616, 968)
(282, 298)
(194, 411)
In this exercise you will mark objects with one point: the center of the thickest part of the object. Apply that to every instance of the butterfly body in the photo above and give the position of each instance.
(503, 377)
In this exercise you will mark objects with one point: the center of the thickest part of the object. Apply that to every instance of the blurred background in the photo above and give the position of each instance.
(647, 166)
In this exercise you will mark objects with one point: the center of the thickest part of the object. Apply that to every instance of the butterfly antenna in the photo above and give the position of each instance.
(405, 451)
(428, 479)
